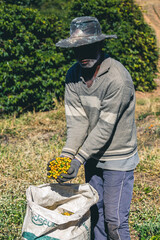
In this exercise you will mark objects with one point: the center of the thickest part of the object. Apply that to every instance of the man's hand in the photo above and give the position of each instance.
(72, 171)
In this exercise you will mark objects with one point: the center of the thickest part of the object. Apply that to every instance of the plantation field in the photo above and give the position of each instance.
(30, 141)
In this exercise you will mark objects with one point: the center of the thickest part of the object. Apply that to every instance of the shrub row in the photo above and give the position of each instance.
(32, 69)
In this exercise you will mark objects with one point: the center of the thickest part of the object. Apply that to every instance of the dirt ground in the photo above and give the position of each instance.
(151, 13)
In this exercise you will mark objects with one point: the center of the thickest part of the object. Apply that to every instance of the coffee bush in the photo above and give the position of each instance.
(32, 71)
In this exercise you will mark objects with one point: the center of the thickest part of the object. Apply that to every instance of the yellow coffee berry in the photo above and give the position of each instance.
(58, 166)
(67, 213)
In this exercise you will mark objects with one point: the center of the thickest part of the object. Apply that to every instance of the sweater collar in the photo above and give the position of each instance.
(105, 65)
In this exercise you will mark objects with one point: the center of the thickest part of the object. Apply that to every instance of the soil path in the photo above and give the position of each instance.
(151, 13)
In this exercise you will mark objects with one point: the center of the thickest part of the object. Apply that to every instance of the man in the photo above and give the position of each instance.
(101, 131)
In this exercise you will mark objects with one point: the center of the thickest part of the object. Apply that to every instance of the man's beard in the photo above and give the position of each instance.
(89, 63)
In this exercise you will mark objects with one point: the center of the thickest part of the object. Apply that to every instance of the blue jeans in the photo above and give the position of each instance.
(109, 217)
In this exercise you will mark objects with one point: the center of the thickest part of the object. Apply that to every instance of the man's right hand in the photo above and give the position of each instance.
(72, 171)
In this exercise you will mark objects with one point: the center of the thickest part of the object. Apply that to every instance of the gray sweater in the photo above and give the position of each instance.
(101, 119)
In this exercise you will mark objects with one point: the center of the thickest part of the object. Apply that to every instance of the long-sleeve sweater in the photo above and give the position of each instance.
(101, 119)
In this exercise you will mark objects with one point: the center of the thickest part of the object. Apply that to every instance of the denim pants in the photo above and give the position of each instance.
(109, 217)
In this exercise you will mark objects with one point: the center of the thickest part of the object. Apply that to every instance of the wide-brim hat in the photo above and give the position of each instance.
(83, 31)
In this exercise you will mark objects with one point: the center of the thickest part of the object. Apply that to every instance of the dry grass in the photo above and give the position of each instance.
(146, 203)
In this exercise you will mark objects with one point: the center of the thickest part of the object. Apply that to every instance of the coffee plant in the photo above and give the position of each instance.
(32, 70)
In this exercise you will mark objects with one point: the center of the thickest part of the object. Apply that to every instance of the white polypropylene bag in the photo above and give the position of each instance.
(46, 204)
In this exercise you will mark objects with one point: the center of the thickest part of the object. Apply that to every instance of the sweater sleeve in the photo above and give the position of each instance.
(76, 119)
(112, 108)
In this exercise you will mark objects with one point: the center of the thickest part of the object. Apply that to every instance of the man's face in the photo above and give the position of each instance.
(88, 55)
